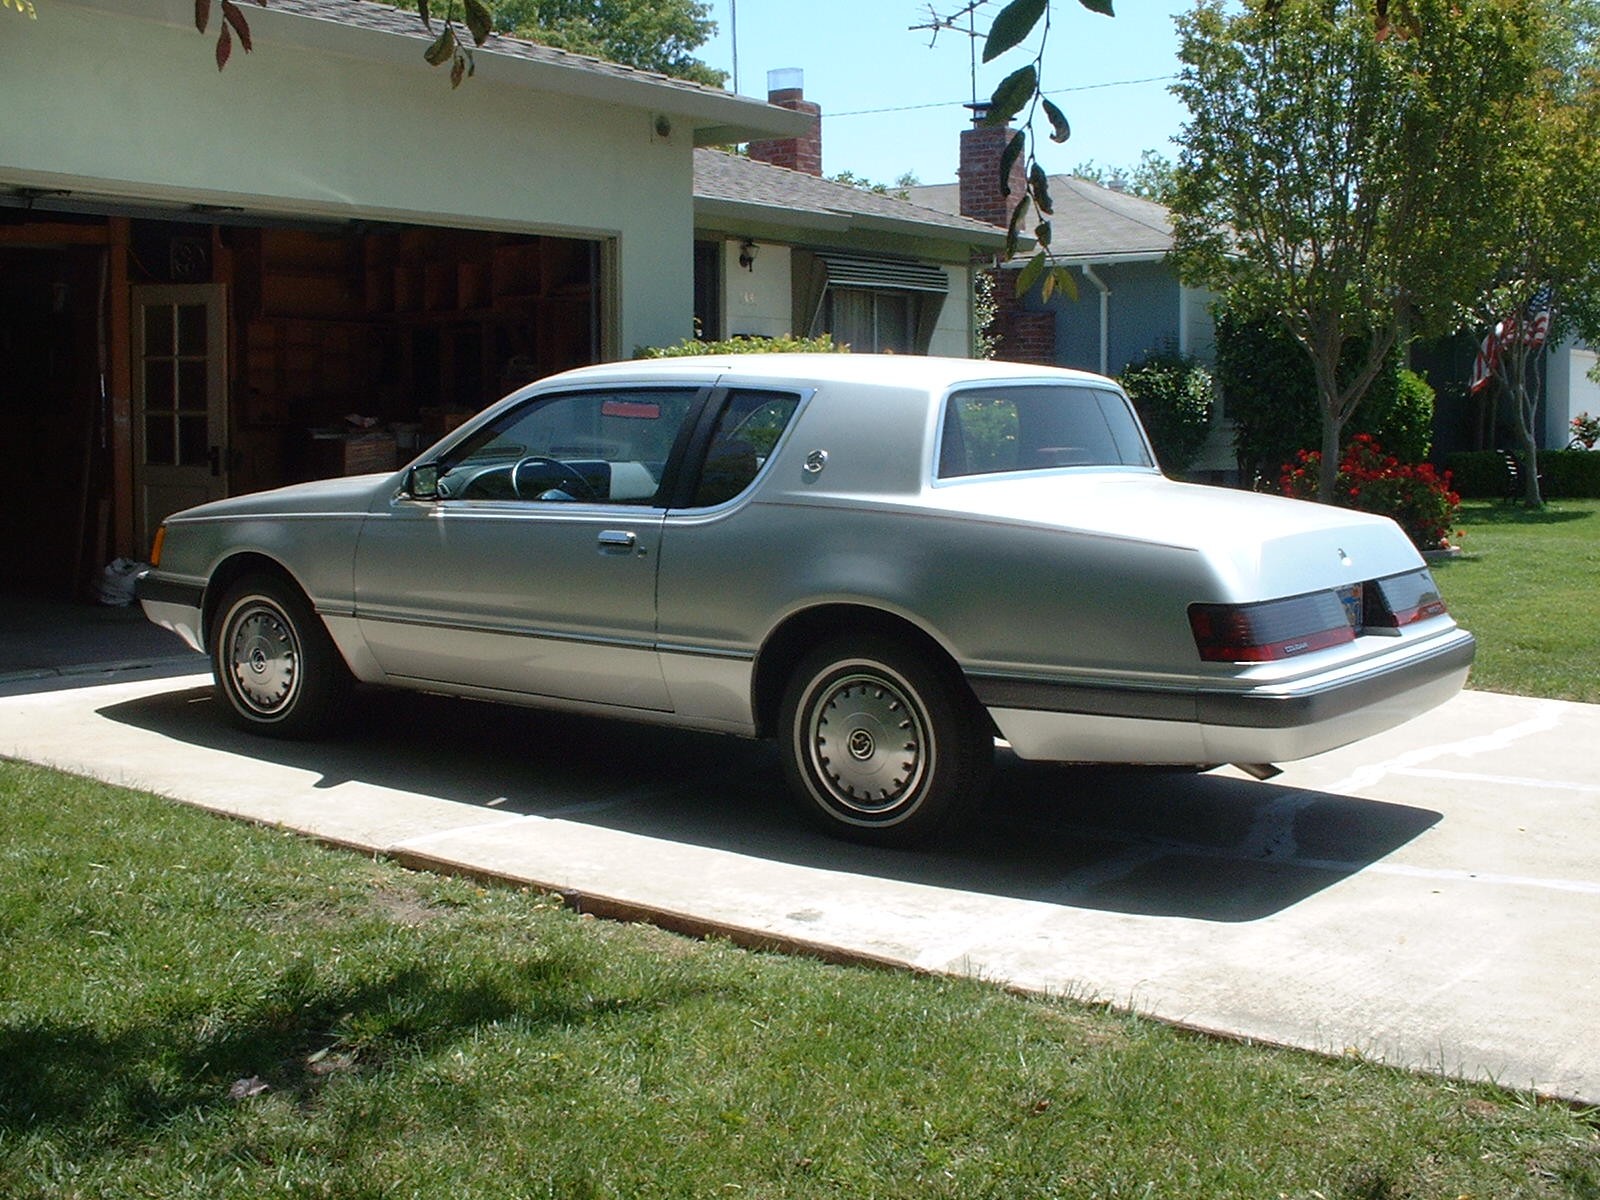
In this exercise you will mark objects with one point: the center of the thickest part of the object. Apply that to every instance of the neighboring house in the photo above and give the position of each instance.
(780, 250)
(1570, 390)
(203, 273)
(1130, 301)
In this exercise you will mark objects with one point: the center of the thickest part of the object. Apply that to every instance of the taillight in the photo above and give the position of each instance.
(1401, 600)
(155, 546)
(1275, 629)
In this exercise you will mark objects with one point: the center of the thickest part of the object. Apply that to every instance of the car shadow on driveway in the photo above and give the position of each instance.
(1207, 847)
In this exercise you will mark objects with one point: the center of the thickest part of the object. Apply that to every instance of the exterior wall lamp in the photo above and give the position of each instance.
(747, 256)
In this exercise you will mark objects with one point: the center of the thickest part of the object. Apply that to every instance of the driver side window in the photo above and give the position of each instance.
(607, 446)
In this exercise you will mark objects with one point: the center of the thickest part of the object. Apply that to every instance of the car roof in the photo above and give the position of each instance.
(902, 370)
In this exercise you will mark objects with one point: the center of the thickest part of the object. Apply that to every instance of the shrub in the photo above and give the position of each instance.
(1479, 474)
(1174, 396)
(1565, 474)
(1585, 430)
(1417, 497)
(747, 344)
(1271, 396)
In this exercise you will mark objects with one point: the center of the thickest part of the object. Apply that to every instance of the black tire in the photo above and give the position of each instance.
(273, 660)
(844, 703)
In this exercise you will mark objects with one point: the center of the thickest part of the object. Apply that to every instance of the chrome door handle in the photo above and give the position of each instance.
(617, 539)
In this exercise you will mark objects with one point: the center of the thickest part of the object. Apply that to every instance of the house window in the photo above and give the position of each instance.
(870, 304)
(874, 322)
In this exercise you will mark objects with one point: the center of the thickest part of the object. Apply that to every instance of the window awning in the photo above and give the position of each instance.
(848, 270)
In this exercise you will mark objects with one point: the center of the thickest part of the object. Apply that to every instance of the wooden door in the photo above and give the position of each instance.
(180, 402)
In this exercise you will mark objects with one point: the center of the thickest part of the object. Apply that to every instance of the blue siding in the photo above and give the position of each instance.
(1143, 314)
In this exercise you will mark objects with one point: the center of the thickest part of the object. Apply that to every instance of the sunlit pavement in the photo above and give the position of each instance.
(1429, 898)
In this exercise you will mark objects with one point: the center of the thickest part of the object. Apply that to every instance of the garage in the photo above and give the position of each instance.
(308, 264)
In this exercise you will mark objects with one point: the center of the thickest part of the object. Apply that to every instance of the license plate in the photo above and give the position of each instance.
(1350, 597)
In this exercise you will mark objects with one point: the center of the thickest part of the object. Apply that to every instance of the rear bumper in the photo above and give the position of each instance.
(1207, 723)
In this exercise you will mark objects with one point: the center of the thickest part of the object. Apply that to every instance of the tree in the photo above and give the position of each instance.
(1546, 282)
(1154, 177)
(1340, 172)
(654, 35)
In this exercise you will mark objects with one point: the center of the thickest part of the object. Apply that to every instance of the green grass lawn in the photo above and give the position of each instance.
(1528, 586)
(425, 1037)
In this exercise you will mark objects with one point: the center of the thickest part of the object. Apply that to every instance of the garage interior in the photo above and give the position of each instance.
(337, 349)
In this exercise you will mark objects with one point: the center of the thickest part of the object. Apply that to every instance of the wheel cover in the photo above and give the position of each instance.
(262, 658)
(867, 745)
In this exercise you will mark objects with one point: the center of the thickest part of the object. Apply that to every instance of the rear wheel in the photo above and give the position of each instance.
(881, 745)
(273, 660)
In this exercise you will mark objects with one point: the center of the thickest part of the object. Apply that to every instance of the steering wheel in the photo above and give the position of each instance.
(568, 475)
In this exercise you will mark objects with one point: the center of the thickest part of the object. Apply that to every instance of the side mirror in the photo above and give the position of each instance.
(422, 482)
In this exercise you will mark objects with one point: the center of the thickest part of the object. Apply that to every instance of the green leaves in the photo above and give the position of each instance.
(443, 47)
(1015, 90)
(1013, 24)
(1050, 276)
(480, 21)
(1008, 159)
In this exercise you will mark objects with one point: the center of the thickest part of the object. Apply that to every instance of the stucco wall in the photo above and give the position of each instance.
(134, 107)
(952, 336)
(758, 301)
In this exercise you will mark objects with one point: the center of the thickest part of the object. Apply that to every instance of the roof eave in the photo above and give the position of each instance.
(714, 117)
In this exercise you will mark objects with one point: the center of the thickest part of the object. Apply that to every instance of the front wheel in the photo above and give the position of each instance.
(880, 745)
(273, 660)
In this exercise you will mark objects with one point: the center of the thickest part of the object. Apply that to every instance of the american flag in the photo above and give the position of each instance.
(1536, 317)
(1530, 327)
(1488, 356)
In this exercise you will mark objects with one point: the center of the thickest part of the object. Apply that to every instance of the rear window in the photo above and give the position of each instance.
(1038, 428)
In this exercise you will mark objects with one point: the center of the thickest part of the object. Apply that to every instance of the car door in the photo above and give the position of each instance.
(534, 570)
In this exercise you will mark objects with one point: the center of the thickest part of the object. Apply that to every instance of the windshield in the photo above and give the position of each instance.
(1036, 428)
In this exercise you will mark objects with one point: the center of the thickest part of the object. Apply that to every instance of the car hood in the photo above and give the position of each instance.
(345, 495)
(1258, 545)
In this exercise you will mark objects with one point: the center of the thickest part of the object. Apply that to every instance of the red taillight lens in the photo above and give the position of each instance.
(1401, 600)
(1274, 629)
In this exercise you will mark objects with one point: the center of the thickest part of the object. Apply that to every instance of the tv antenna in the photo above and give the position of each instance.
(938, 23)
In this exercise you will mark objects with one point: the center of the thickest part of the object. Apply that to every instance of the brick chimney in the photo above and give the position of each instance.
(979, 172)
(786, 89)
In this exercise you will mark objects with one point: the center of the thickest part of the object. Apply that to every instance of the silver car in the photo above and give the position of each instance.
(884, 563)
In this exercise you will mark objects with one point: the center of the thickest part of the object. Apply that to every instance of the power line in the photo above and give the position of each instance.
(1085, 87)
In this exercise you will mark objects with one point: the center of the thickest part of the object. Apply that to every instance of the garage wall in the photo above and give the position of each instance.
(128, 106)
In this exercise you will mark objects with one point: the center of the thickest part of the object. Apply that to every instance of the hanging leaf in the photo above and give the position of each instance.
(1015, 90)
(1041, 234)
(1100, 6)
(1015, 22)
(224, 47)
(422, 11)
(202, 14)
(1065, 283)
(458, 71)
(1039, 187)
(1048, 287)
(1008, 159)
(1060, 131)
(1031, 273)
(1014, 230)
(230, 10)
(443, 47)
(480, 21)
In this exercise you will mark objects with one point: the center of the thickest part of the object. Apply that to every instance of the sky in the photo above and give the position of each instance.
(861, 57)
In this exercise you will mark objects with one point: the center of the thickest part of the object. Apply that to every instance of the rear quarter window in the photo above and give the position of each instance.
(1036, 428)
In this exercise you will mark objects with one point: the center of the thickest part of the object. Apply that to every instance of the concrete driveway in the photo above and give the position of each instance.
(1429, 898)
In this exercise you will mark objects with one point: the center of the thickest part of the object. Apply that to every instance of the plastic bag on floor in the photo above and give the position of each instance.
(115, 585)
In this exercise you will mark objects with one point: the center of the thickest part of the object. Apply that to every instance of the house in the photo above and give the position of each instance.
(313, 261)
(781, 250)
